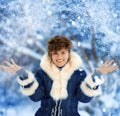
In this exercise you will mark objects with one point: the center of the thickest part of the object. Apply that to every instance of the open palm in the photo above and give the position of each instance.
(11, 67)
(107, 67)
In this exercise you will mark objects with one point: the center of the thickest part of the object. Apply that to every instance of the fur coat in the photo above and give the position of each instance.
(60, 90)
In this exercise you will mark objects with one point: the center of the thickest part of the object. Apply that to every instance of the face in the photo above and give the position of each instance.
(60, 57)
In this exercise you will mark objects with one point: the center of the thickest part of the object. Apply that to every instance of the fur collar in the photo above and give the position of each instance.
(60, 78)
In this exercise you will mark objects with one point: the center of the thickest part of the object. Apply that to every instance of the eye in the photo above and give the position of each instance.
(54, 53)
(63, 52)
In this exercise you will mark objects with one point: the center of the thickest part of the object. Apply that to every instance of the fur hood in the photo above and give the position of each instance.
(60, 78)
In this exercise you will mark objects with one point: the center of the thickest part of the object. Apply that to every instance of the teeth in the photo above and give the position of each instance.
(59, 60)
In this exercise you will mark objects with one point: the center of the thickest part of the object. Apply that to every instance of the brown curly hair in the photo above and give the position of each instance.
(56, 43)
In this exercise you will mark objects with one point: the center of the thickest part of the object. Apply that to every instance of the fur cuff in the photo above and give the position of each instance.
(90, 92)
(31, 90)
(27, 81)
(91, 83)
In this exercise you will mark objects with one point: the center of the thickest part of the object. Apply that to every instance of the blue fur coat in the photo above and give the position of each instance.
(60, 90)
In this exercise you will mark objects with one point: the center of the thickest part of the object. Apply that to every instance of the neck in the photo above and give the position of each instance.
(60, 68)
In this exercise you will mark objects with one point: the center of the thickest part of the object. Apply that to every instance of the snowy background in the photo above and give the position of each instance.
(92, 25)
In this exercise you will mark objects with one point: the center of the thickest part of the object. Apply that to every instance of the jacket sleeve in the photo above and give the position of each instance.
(89, 85)
(31, 85)
(40, 91)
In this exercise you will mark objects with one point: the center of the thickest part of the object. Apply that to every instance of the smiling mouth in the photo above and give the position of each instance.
(59, 61)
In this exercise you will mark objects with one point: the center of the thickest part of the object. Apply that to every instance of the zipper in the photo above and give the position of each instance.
(57, 111)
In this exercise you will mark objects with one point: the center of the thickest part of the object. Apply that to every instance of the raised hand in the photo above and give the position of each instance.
(11, 67)
(107, 67)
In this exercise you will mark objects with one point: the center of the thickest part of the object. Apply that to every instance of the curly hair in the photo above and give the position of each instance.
(56, 43)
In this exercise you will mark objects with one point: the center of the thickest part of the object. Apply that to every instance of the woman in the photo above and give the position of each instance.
(60, 83)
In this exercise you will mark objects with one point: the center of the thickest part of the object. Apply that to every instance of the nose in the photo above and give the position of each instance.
(59, 56)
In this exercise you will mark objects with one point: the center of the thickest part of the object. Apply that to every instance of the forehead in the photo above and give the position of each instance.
(61, 50)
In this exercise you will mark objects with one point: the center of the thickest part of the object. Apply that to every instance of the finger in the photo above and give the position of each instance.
(112, 68)
(7, 63)
(4, 67)
(13, 62)
(106, 63)
(110, 62)
(7, 69)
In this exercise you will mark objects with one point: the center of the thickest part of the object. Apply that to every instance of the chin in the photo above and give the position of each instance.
(61, 65)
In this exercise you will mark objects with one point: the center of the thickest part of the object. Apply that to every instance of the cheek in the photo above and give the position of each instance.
(67, 58)
(53, 58)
